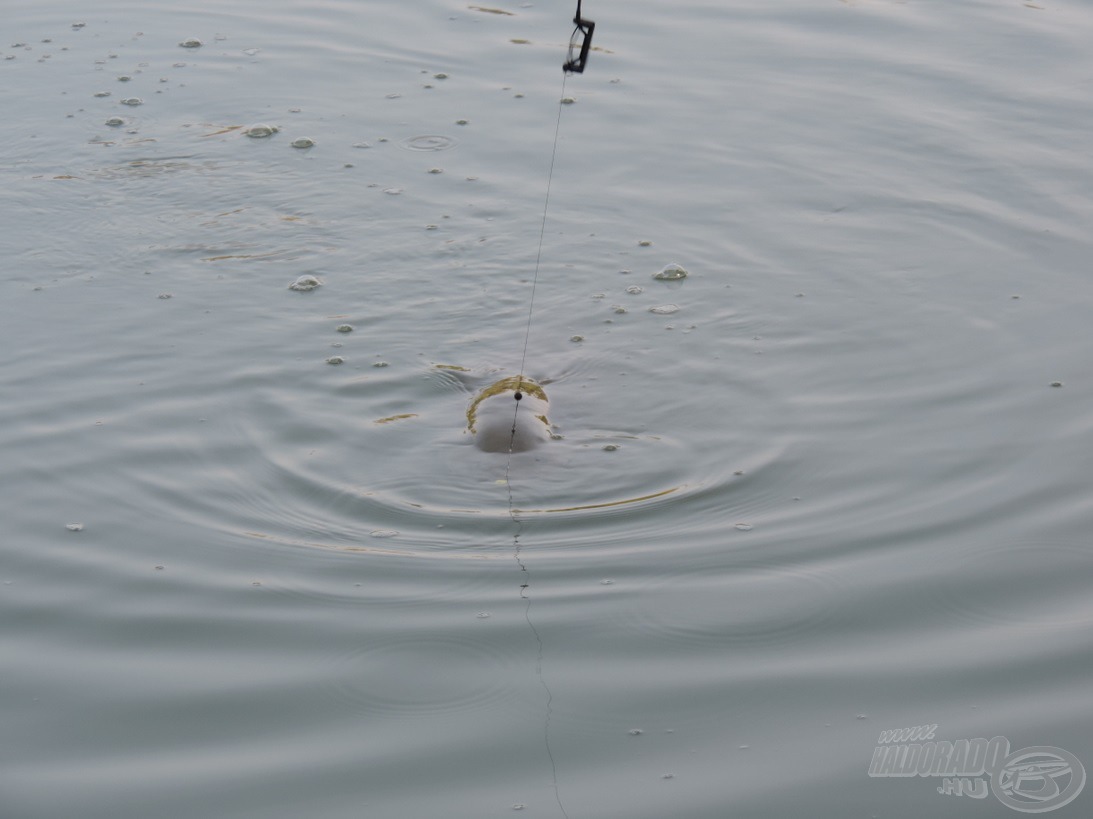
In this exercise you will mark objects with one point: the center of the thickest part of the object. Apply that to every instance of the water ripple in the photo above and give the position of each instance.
(422, 676)
(428, 142)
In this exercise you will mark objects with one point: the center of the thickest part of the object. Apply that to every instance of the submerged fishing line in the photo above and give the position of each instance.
(525, 584)
(579, 43)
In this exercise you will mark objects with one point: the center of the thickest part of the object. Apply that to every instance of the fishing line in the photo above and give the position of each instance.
(579, 44)
(542, 229)
(525, 583)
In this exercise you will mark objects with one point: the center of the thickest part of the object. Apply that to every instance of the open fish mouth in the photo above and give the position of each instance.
(499, 424)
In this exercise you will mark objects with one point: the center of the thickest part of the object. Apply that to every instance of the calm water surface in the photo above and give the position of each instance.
(833, 492)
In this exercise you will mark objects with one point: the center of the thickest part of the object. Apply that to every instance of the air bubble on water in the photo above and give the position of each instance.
(483, 615)
(671, 273)
(744, 527)
(114, 122)
(74, 527)
(440, 76)
(345, 328)
(664, 309)
(134, 101)
(576, 339)
(462, 122)
(519, 806)
(250, 52)
(392, 96)
(124, 78)
(436, 170)
(635, 290)
(862, 716)
(79, 24)
(256, 582)
(743, 747)
(668, 776)
(392, 191)
(303, 142)
(607, 581)
(305, 283)
(610, 447)
(158, 568)
(430, 227)
(636, 732)
(336, 344)
(261, 130)
(568, 100)
(383, 533)
(644, 243)
(335, 360)
(362, 145)
(381, 364)
(165, 296)
(191, 43)
(1056, 383)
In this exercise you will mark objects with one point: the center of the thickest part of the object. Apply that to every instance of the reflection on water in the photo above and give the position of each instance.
(809, 314)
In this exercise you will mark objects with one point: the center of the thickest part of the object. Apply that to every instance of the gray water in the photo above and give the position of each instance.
(834, 493)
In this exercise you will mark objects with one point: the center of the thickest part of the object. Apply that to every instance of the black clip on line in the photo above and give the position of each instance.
(583, 31)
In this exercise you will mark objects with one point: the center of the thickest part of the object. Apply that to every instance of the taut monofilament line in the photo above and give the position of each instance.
(538, 259)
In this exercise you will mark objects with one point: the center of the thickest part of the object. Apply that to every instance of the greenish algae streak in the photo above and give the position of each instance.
(395, 418)
(513, 383)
